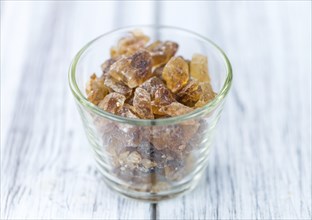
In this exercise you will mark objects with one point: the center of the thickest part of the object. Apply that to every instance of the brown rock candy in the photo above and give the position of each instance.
(142, 103)
(190, 93)
(112, 102)
(176, 74)
(133, 70)
(117, 86)
(152, 85)
(95, 89)
(175, 109)
(199, 68)
(130, 44)
(162, 97)
(162, 52)
(127, 111)
(106, 67)
(207, 94)
(158, 71)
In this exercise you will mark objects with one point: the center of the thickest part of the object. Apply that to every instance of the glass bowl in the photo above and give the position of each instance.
(151, 159)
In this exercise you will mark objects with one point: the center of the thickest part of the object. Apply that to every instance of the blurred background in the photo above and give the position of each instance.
(260, 165)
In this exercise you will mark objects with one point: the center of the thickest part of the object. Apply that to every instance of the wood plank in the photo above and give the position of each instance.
(260, 166)
(47, 168)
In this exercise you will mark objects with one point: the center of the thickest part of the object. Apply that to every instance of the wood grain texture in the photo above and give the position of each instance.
(260, 165)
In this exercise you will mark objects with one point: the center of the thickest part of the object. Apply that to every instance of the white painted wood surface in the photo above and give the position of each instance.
(260, 166)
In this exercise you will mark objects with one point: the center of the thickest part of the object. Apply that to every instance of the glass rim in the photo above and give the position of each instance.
(148, 122)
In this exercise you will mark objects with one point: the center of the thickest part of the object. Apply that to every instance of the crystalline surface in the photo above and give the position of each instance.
(207, 94)
(130, 44)
(162, 51)
(96, 90)
(133, 70)
(175, 109)
(112, 102)
(126, 111)
(152, 85)
(162, 97)
(190, 93)
(116, 86)
(199, 68)
(106, 67)
(158, 71)
(176, 73)
(142, 103)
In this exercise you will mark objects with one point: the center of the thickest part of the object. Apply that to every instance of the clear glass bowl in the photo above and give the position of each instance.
(151, 159)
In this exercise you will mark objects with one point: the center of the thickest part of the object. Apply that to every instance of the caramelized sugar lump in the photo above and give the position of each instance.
(127, 111)
(162, 97)
(175, 109)
(176, 74)
(117, 86)
(106, 67)
(162, 51)
(207, 94)
(112, 102)
(133, 70)
(152, 85)
(130, 44)
(142, 103)
(95, 89)
(199, 68)
(158, 72)
(190, 94)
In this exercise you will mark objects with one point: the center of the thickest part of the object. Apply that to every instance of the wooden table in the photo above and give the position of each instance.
(260, 165)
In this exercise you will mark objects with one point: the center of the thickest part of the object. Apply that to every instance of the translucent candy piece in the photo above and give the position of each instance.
(142, 103)
(199, 68)
(158, 71)
(112, 102)
(151, 85)
(190, 93)
(207, 94)
(106, 67)
(164, 137)
(116, 86)
(175, 109)
(133, 70)
(95, 89)
(133, 160)
(176, 74)
(163, 97)
(162, 51)
(130, 44)
(126, 111)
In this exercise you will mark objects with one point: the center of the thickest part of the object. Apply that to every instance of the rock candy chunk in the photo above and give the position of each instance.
(133, 70)
(112, 102)
(166, 137)
(190, 93)
(130, 44)
(117, 86)
(152, 85)
(127, 111)
(95, 89)
(142, 103)
(207, 94)
(175, 109)
(106, 67)
(158, 71)
(199, 68)
(162, 97)
(176, 74)
(162, 51)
